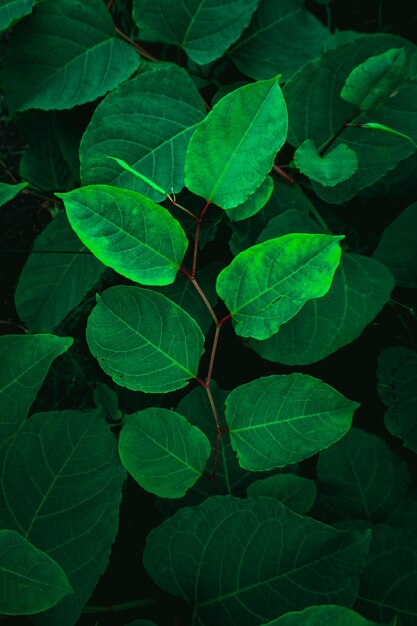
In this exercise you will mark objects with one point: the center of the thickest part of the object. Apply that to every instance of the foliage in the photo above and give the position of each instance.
(227, 193)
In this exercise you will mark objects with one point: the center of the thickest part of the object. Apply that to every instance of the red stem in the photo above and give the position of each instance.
(110, 4)
(139, 48)
(197, 236)
(179, 206)
(213, 353)
(283, 174)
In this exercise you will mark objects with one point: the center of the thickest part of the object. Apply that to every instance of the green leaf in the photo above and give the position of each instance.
(296, 492)
(8, 192)
(373, 81)
(382, 128)
(65, 54)
(254, 203)
(143, 340)
(128, 232)
(163, 452)
(317, 111)
(397, 247)
(25, 363)
(397, 374)
(234, 148)
(147, 122)
(203, 29)
(325, 615)
(66, 472)
(30, 581)
(107, 401)
(389, 579)
(330, 169)
(277, 420)
(360, 478)
(359, 290)
(13, 10)
(51, 285)
(231, 554)
(267, 284)
(137, 174)
(281, 37)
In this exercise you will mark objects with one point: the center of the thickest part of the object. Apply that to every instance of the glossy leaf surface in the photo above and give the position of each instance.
(330, 169)
(128, 232)
(233, 149)
(267, 284)
(258, 540)
(143, 340)
(163, 452)
(277, 420)
(65, 54)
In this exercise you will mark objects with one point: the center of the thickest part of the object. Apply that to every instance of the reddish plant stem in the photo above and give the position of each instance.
(179, 206)
(201, 293)
(110, 4)
(213, 354)
(283, 174)
(224, 319)
(197, 236)
(139, 48)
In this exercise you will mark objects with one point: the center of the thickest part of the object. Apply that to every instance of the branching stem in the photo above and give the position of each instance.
(179, 206)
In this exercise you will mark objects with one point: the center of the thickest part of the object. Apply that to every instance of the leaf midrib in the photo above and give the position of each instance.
(291, 419)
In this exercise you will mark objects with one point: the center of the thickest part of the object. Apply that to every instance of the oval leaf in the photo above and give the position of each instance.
(325, 615)
(296, 492)
(79, 59)
(254, 203)
(278, 420)
(267, 284)
(30, 581)
(234, 148)
(143, 340)
(127, 232)
(330, 169)
(163, 452)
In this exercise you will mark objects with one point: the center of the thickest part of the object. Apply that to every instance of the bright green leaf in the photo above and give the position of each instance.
(25, 361)
(163, 452)
(281, 38)
(330, 169)
(267, 284)
(65, 54)
(8, 192)
(161, 108)
(397, 248)
(12, 10)
(232, 554)
(204, 29)
(254, 203)
(382, 128)
(66, 472)
(143, 340)
(51, 285)
(296, 492)
(137, 174)
(277, 420)
(128, 232)
(234, 148)
(30, 581)
(325, 615)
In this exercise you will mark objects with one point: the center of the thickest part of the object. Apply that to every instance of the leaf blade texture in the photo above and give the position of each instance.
(330, 169)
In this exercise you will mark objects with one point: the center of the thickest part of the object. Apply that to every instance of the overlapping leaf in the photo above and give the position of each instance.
(254, 203)
(8, 192)
(231, 554)
(61, 488)
(12, 10)
(203, 29)
(332, 168)
(143, 340)
(51, 285)
(325, 615)
(267, 284)
(128, 232)
(160, 110)
(233, 149)
(296, 492)
(65, 54)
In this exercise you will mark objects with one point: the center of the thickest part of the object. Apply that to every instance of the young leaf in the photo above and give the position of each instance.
(128, 232)
(161, 108)
(13, 10)
(30, 581)
(231, 554)
(267, 284)
(137, 174)
(296, 492)
(8, 192)
(324, 615)
(277, 420)
(272, 42)
(397, 247)
(144, 341)
(163, 452)
(360, 478)
(234, 148)
(66, 470)
(330, 169)
(65, 54)
(254, 203)
(204, 30)
(25, 363)
(51, 285)
(382, 128)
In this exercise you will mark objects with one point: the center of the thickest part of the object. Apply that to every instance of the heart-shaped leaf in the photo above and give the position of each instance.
(330, 169)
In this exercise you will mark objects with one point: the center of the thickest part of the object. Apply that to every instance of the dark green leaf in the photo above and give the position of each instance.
(332, 168)
(143, 340)
(325, 615)
(296, 492)
(254, 203)
(65, 54)
(232, 554)
(128, 232)
(13, 10)
(107, 401)
(234, 148)
(163, 452)
(160, 110)
(30, 581)
(8, 192)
